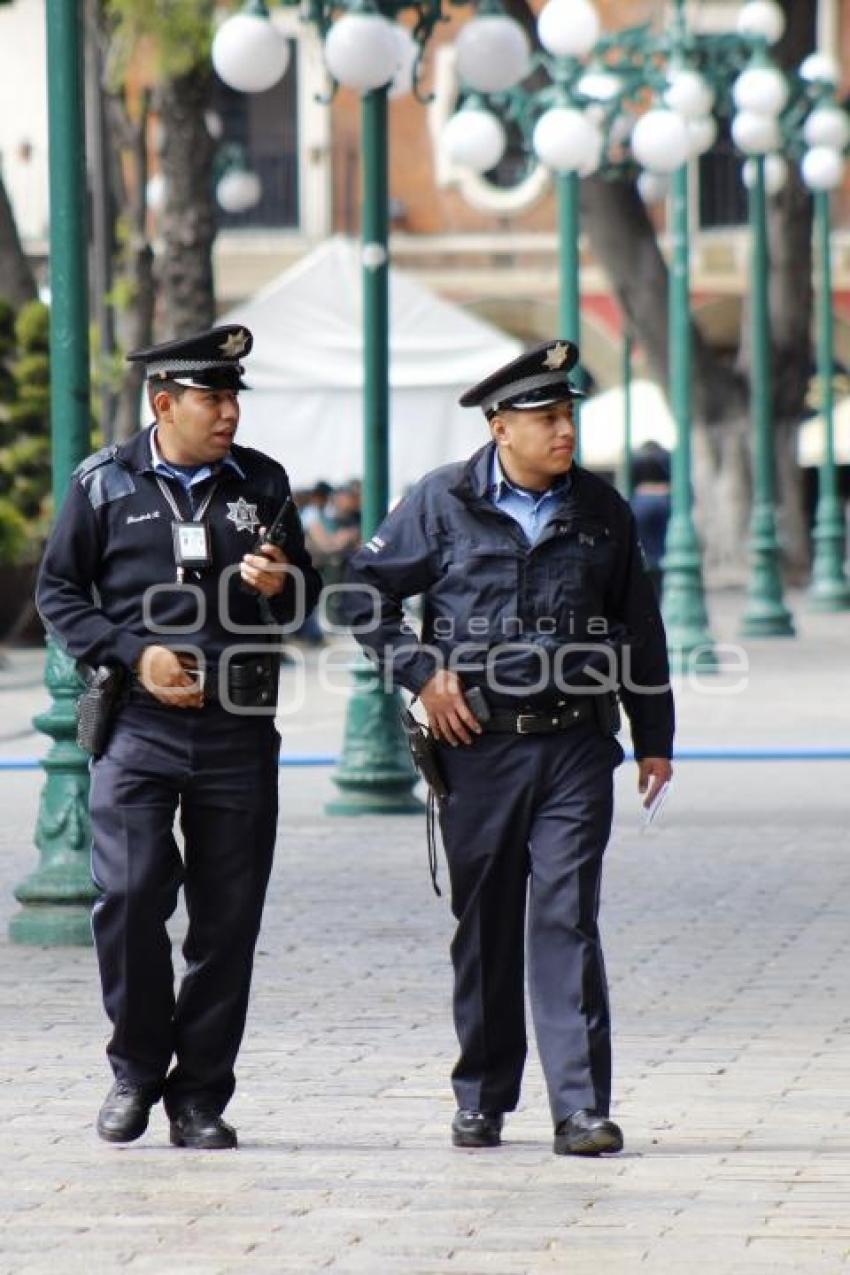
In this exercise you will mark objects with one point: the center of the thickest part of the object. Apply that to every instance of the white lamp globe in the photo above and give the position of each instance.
(475, 139)
(827, 126)
(755, 134)
(568, 28)
(763, 18)
(408, 51)
(249, 53)
(600, 85)
(763, 89)
(689, 94)
(567, 141)
(493, 54)
(702, 134)
(653, 187)
(775, 173)
(660, 141)
(361, 51)
(822, 168)
(819, 68)
(155, 193)
(238, 190)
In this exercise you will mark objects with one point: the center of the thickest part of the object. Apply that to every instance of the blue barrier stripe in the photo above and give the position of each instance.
(684, 754)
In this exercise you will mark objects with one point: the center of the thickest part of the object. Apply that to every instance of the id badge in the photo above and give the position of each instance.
(191, 544)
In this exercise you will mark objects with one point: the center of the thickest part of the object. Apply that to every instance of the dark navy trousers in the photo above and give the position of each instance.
(221, 771)
(525, 827)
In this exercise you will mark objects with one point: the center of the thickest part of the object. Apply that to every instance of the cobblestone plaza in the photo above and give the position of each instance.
(728, 951)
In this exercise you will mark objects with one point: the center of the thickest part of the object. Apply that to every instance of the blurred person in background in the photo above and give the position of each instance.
(651, 504)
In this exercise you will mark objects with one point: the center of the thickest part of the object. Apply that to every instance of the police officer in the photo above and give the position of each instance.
(536, 610)
(156, 567)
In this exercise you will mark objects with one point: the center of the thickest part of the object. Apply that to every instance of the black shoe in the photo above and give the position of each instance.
(125, 1112)
(201, 1128)
(477, 1129)
(586, 1133)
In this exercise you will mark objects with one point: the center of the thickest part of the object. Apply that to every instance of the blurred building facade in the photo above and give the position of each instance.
(485, 242)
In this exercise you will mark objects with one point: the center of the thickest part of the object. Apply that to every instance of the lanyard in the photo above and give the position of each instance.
(191, 539)
(175, 508)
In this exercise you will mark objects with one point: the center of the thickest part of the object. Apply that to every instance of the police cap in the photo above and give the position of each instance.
(207, 360)
(535, 379)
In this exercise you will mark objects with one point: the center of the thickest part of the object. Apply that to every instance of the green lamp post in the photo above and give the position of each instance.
(683, 599)
(765, 614)
(375, 774)
(569, 276)
(772, 113)
(56, 898)
(830, 588)
(826, 135)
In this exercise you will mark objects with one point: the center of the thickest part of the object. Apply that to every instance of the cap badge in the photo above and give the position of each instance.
(234, 344)
(556, 357)
(242, 515)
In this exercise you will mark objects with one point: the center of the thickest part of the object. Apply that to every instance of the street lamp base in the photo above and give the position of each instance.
(378, 800)
(829, 595)
(765, 618)
(40, 925)
(691, 656)
(376, 775)
(57, 896)
(830, 588)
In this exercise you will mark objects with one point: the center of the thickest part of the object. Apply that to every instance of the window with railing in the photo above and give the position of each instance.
(722, 195)
(265, 127)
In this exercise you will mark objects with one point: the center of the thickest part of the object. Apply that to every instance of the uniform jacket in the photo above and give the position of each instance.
(112, 541)
(523, 619)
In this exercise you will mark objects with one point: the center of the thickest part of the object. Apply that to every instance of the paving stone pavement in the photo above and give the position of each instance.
(728, 948)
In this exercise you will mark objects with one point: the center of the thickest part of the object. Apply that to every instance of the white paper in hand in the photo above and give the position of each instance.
(653, 810)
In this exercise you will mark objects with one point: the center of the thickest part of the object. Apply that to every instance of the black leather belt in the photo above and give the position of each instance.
(542, 721)
(252, 682)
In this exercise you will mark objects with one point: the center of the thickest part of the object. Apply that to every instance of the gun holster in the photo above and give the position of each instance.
(606, 707)
(424, 754)
(98, 705)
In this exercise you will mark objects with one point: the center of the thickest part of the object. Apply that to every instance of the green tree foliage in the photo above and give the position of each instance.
(25, 479)
(178, 32)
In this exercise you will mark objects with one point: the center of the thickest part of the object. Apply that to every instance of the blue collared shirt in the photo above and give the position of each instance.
(532, 510)
(189, 479)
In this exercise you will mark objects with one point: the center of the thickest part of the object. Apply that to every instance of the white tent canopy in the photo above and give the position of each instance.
(305, 406)
(603, 423)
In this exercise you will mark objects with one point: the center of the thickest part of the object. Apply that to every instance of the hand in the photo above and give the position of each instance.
(449, 715)
(168, 677)
(653, 773)
(262, 569)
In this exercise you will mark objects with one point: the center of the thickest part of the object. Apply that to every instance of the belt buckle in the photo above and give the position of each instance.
(522, 718)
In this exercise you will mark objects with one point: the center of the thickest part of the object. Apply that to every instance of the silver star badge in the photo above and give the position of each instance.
(234, 345)
(242, 515)
(556, 357)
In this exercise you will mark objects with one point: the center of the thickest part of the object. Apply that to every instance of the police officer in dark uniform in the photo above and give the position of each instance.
(156, 567)
(537, 616)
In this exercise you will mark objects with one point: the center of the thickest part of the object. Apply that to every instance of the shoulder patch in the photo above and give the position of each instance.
(103, 478)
